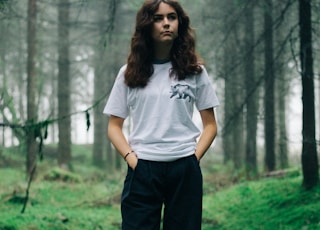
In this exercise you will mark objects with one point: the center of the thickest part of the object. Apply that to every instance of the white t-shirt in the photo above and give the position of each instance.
(163, 129)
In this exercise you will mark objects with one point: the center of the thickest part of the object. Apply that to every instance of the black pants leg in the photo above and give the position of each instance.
(141, 201)
(183, 201)
(177, 185)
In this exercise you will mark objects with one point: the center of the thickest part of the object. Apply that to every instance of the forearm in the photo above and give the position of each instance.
(119, 141)
(209, 132)
(207, 137)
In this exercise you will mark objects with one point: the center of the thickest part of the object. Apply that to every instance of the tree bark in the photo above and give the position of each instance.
(251, 92)
(64, 124)
(282, 141)
(100, 70)
(103, 83)
(269, 102)
(281, 92)
(227, 70)
(31, 87)
(310, 164)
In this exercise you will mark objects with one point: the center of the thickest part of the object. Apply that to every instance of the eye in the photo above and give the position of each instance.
(172, 17)
(157, 18)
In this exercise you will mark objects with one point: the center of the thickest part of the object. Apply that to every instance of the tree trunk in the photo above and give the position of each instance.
(281, 92)
(227, 137)
(238, 121)
(99, 134)
(251, 94)
(310, 165)
(269, 103)
(282, 141)
(281, 115)
(64, 124)
(4, 83)
(3, 72)
(237, 93)
(31, 87)
(228, 62)
(101, 84)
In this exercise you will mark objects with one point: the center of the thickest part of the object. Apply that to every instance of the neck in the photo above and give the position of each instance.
(162, 51)
(160, 61)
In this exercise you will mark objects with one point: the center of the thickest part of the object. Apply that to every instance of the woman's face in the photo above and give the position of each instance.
(165, 25)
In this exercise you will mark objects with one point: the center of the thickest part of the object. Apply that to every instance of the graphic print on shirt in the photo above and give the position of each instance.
(181, 91)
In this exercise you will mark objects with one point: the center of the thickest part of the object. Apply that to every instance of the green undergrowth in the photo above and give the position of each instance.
(58, 203)
(88, 198)
(270, 204)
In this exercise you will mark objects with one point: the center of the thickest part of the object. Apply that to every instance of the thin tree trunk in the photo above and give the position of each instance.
(99, 134)
(251, 92)
(227, 137)
(281, 105)
(310, 164)
(228, 61)
(237, 93)
(3, 72)
(281, 92)
(283, 146)
(269, 103)
(64, 124)
(31, 87)
(101, 84)
(4, 83)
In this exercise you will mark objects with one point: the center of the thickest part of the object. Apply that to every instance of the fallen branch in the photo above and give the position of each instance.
(28, 187)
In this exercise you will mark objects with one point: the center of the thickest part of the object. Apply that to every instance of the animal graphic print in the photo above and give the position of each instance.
(180, 91)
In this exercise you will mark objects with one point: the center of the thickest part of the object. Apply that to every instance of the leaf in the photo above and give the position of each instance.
(88, 120)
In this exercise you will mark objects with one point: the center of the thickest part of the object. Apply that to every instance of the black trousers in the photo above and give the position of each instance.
(176, 186)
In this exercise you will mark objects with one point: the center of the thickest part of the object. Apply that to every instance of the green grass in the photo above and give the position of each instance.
(266, 204)
(88, 198)
(58, 204)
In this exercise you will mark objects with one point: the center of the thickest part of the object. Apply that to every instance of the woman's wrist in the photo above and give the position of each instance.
(132, 160)
(127, 154)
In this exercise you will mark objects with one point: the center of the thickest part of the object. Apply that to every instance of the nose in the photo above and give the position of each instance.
(165, 22)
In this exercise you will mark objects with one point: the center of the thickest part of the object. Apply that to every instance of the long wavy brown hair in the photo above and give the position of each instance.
(185, 61)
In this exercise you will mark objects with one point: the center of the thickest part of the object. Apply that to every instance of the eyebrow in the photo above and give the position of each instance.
(169, 14)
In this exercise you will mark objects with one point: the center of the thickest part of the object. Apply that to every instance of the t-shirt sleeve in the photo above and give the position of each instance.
(117, 102)
(206, 95)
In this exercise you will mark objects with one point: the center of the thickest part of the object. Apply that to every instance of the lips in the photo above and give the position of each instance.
(167, 33)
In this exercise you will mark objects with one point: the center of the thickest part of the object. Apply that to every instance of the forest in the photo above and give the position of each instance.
(58, 63)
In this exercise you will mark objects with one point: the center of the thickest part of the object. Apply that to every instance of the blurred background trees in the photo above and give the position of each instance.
(59, 59)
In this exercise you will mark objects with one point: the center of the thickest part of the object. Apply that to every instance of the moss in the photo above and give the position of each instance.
(58, 174)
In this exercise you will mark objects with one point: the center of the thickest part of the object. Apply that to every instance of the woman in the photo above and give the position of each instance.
(159, 87)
